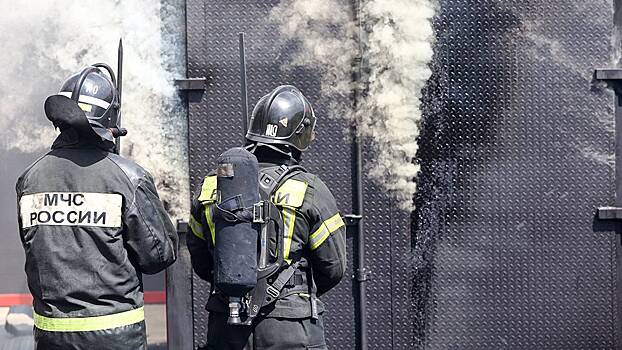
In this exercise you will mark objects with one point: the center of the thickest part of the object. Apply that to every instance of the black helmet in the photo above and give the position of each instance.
(98, 96)
(89, 102)
(283, 117)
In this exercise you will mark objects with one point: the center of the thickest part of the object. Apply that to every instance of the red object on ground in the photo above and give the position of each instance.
(6, 300)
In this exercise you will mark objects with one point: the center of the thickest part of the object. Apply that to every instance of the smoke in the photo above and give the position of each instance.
(46, 41)
(396, 50)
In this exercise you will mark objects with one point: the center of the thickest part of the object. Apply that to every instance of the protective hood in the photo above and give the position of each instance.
(65, 112)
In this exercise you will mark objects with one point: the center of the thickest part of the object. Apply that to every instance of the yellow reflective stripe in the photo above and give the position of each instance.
(289, 218)
(291, 193)
(208, 190)
(196, 227)
(86, 324)
(210, 223)
(334, 223)
(319, 236)
(323, 232)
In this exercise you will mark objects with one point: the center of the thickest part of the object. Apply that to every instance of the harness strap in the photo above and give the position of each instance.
(297, 284)
(313, 294)
(270, 178)
(296, 280)
(274, 290)
(232, 209)
(232, 204)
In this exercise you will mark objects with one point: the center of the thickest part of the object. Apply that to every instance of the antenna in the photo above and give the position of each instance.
(244, 91)
(120, 93)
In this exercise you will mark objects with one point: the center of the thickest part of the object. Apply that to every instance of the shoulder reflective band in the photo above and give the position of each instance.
(196, 227)
(210, 222)
(208, 190)
(323, 232)
(289, 219)
(86, 324)
(291, 193)
(71, 209)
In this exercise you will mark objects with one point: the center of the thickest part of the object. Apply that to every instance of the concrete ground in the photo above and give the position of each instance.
(9, 341)
(155, 316)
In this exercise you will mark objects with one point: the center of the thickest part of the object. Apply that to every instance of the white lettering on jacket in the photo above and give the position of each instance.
(71, 209)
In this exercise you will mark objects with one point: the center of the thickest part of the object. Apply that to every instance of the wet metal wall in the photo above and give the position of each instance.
(517, 154)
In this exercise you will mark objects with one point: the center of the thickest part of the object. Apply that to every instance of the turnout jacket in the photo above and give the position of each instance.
(314, 233)
(90, 223)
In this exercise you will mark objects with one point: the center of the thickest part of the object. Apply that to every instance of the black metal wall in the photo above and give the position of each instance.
(516, 154)
(215, 125)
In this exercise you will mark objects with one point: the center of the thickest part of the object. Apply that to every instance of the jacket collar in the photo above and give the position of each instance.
(272, 154)
(70, 138)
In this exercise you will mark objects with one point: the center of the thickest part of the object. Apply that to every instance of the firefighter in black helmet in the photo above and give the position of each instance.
(90, 222)
(281, 128)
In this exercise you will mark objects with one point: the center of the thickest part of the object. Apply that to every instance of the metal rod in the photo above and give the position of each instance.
(361, 272)
(120, 92)
(618, 184)
(613, 78)
(244, 91)
(179, 302)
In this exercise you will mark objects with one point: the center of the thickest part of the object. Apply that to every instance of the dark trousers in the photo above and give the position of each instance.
(131, 337)
(265, 334)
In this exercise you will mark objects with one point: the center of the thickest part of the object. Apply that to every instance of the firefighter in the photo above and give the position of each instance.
(91, 223)
(281, 129)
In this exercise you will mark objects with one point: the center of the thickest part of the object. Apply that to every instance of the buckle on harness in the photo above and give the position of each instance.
(261, 212)
(272, 292)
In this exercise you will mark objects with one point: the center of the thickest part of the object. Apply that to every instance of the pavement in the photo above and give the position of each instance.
(155, 315)
(9, 341)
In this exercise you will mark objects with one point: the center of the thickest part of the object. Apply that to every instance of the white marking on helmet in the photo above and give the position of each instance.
(272, 130)
(88, 99)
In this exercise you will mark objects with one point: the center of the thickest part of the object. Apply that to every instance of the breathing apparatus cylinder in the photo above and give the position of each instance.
(235, 257)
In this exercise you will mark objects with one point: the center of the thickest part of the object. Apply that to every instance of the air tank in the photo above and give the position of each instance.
(235, 258)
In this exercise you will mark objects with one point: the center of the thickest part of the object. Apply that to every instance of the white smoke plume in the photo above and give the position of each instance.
(397, 48)
(46, 41)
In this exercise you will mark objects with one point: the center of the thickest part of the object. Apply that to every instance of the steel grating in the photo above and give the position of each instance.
(516, 155)
(215, 124)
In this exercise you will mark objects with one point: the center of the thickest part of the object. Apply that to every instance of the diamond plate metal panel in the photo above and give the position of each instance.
(215, 125)
(516, 156)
